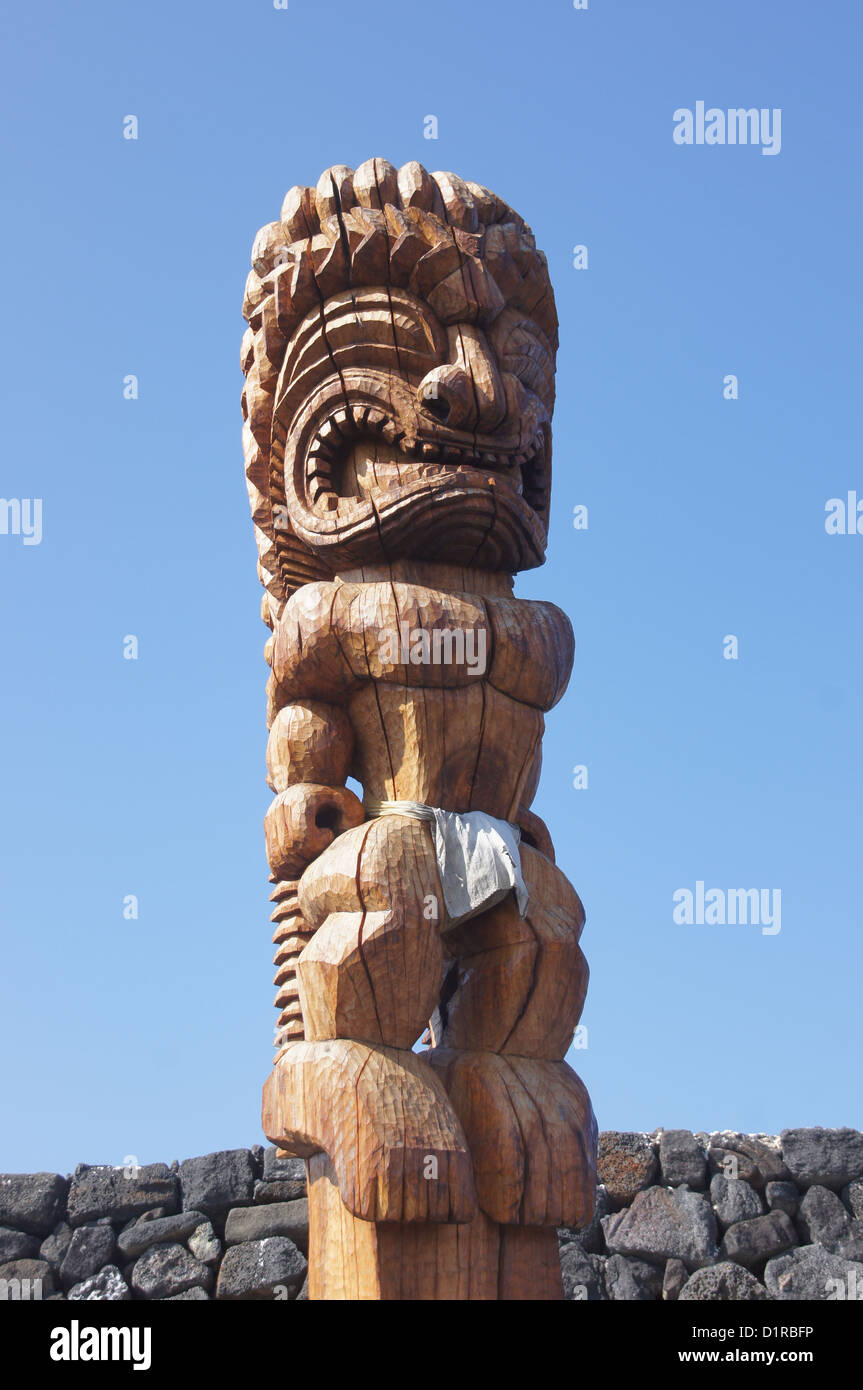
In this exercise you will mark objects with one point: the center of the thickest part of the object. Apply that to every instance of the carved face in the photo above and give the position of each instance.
(400, 378)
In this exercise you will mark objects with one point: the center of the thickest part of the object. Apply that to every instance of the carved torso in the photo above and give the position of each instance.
(463, 733)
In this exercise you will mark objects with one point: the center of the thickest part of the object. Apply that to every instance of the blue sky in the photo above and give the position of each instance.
(706, 519)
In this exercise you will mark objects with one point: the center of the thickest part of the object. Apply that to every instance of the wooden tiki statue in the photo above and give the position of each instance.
(399, 365)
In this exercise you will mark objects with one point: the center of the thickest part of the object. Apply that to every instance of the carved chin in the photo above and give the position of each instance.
(382, 480)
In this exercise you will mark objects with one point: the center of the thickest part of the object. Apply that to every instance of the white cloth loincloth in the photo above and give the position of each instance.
(477, 856)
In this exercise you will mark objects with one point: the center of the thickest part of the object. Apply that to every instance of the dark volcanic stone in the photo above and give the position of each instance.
(852, 1196)
(676, 1275)
(107, 1192)
(850, 1246)
(141, 1235)
(32, 1202)
(822, 1218)
(216, 1182)
(260, 1269)
(626, 1164)
(733, 1166)
(783, 1196)
(826, 1157)
(682, 1159)
(164, 1270)
(90, 1249)
(756, 1161)
(582, 1276)
(723, 1283)
(153, 1213)
(811, 1272)
(283, 1169)
(289, 1219)
(54, 1247)
(15, 1245)
(750, 1243)
(631, 1280)
(734, 1200)
(662, 1225)
(284, 1191)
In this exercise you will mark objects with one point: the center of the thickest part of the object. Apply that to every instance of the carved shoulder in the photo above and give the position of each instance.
(307, 657)
(534, 648)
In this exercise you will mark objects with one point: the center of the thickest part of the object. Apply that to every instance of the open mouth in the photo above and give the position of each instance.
(361, 452)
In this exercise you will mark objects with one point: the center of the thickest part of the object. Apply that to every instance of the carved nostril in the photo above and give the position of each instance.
(438, 406)
(447, 395)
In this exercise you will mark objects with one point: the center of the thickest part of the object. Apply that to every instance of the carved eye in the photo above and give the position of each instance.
(392, 331)
(523, 352)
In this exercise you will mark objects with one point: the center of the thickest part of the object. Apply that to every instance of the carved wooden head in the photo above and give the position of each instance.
(399, 378)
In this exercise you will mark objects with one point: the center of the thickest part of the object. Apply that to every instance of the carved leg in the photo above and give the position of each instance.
(398, 1152)
(513, 998)
(368, 980)
(531, 1134)
(372, 970)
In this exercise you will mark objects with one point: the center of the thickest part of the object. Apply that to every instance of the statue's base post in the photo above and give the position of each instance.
(381, 1260)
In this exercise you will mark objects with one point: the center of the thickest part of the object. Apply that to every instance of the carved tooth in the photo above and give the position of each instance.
(319, 482)
(375, 419)
(321, 490)
(321, 446)
(391, 432)
(343, 423)
(329, 434)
